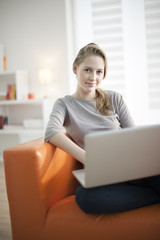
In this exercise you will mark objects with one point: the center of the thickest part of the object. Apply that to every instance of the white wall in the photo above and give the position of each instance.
(33, 33)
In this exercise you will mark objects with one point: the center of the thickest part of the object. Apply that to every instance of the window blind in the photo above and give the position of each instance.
(107, 32)
(152, 22)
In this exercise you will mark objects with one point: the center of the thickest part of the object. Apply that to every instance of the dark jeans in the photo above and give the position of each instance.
(119, 197)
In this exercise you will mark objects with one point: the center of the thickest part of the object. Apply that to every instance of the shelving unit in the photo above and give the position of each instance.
(19, 79)
(19, 110)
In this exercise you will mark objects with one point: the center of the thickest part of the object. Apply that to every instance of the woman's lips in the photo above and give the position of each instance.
(91, 84)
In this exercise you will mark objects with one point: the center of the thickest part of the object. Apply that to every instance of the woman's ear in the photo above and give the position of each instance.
(75, 68)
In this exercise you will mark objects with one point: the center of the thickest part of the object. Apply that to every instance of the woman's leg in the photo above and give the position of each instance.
(154, 182)
(116, 198)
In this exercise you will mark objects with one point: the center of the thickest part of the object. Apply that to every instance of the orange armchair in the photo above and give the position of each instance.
(41, 187)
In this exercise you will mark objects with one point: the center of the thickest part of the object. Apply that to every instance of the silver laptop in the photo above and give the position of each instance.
(120, 155)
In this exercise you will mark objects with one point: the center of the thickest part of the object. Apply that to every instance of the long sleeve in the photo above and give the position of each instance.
(56, 120)
(122, 111)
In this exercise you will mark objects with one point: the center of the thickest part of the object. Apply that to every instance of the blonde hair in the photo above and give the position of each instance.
(102, 100)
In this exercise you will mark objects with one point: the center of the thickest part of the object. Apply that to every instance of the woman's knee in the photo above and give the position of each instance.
(82, 199)
(154, 183)
(93, 200)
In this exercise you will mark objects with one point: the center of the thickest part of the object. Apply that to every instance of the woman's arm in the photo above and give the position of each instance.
(62, 141)
(123, 112)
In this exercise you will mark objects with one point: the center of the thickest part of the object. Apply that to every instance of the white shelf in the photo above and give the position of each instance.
(21, 131)
(7, 73)
(14, 102)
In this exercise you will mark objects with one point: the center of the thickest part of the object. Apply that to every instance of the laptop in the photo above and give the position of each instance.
(120, 155)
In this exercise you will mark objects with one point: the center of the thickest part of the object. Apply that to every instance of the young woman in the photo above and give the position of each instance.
(93, 109)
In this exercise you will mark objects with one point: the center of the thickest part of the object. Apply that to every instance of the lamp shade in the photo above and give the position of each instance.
(45, 75)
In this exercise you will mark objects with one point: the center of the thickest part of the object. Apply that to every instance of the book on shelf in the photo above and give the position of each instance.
(11, 92)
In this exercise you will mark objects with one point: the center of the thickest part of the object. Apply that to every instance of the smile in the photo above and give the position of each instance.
(91, 84)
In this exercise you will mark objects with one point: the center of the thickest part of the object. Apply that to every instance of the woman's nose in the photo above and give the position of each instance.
(93, 76)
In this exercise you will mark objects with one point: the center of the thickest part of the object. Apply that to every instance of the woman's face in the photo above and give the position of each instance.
(89, 73)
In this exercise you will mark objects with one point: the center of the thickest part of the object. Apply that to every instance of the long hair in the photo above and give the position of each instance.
(102, 100)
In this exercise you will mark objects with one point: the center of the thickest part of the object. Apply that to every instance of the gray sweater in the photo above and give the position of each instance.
(80, 117)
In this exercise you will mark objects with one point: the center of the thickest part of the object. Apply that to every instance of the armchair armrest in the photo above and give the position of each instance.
(37, 176)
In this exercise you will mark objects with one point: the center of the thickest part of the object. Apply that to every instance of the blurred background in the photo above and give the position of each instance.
(43, 37)
(39, 40)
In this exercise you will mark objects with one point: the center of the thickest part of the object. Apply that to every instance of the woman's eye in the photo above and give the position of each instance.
(99, 72)
(87, 70)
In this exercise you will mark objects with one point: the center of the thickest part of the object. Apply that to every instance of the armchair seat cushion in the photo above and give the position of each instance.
(65, 218)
